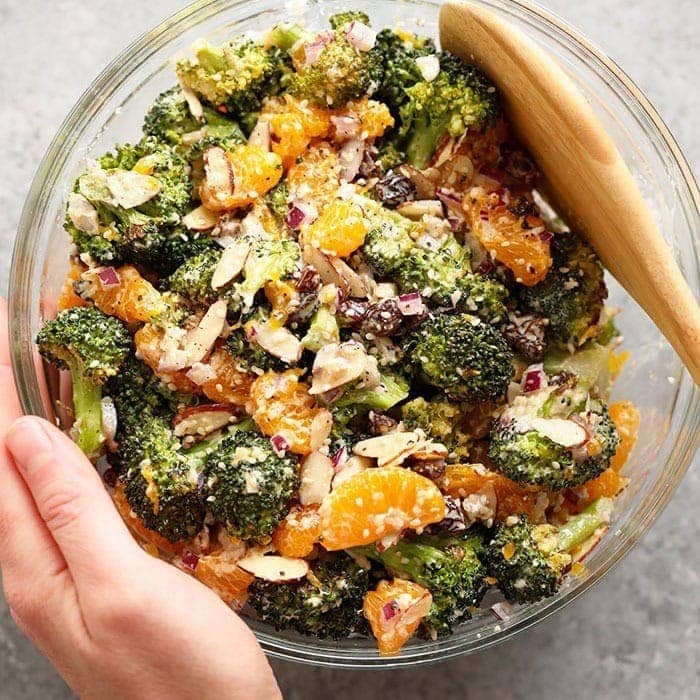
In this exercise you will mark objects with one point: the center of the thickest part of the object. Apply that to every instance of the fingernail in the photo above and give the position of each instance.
(25, 439)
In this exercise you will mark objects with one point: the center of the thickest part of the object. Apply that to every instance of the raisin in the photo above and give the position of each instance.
(454, 520)
(432, 469)
(394, 189)
(526, 335)
(518, 163)
(383, 318)
(381, 424)
(351, 312)
(309, 280)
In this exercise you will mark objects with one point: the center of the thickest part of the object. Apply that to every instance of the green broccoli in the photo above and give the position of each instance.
(322, 330)
(590, 364)
(459, 98)
(235, 77)
(192, 279)
(530, 560)
(286, 34)
(340, 73)
(247, 485)
(571, 296)
(556, 437)
(277, 199)
(93, 347)
(448, 566)
(460, 354)
(442, 421)
(250, 356)
(326, 604)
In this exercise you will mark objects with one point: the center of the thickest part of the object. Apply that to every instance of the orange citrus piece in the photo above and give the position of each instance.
(378, 502)
(137, 527)
(463, 480)
(67, 299)
(374, 117)
(339, 231)
(608, 484)
(281, 405)
(221, 573)
(315, 176)
(521, 243)
(625, 416)
(297, 534)
(133, 300)
(254, 172)
(282, 295)
(395, 610)
(231, 383)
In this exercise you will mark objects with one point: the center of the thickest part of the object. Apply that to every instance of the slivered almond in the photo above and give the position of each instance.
(230, 264)
(385, 448)
(279, 342)
(200, 421)
(338, 364)
(419, 208)
(200, 340)
(131, 189)
(564, 432)
(83, 214)
(270, 567)
(316, 475)
(195, 106)
(220, 179)
(200, 219)
(260, 135)
(335, 271)
(320, 429)
(354, 284)
(353, 465)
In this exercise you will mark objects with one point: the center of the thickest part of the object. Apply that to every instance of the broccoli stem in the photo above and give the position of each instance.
(423, 142)
(579, 528)
(87, 397)
(284, 36)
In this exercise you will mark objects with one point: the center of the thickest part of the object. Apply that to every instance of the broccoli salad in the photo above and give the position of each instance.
(333, 353)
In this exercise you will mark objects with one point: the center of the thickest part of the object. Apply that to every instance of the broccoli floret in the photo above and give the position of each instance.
(322, 330)
(590, 365)
(448, 566)
(93, 347)
(247, 485)
(193, 278)
(441, 420)
(389, 154)
(325, 604)
(339, 74)
(160, 481)
(236, 76)
(556, 437)
(483, 296)
(286, 34)
(250, 356)
(277, 199)
(459, 98)
(571, 296)
(399, 53)
(465, 357)
(164, 250)
(530, 560)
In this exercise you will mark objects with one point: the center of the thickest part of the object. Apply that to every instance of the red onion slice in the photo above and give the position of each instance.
(534, 378)
(280, 444)
(300, 213)
(346, 127)
(313, 49)
(339, 458)
(190, 559)
(109, 278)
(411, 304)
(390, 609)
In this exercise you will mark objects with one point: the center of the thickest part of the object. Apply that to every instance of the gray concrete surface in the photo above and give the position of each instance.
(636, 634)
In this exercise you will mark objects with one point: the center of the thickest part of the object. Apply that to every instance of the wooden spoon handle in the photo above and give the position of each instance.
(590, 183)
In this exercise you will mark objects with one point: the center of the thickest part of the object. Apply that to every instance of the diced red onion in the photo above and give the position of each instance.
(299, 214)
(546, 236)
(346, 127)
(360, 36)
(534, 379)
(447, 196)
(350, 157)
(390, 609)
(501, 610)
(190, 559)
(339, 458)
(483, 215)
(313, 49)
(280, 444)
(109, 278)
(503, 196)
(455, 222)
(411, 304)
(331, 395)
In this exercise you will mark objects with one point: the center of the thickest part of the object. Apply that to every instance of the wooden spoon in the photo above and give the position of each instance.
(589, 181)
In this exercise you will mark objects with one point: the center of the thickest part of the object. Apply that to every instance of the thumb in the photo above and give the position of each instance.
(72, 501)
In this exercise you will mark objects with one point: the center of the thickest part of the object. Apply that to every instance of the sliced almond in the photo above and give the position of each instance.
(83, 214)
(560, 430)
(220, 180)
(201, 373)
(201, 219)
(316, 475)
(429, 67)
(321, 427)
(131, 189)
(338, 364)
(195, 106)
(419, 208)
(279, 342)
(335, 271)
(200, 421)
(260, 135)
(230, 264)
(273, 568)
(353, 283)
(200, 340)
(385, 448)
(353, 465)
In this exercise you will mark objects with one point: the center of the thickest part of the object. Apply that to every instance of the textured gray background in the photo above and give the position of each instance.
(636, 634)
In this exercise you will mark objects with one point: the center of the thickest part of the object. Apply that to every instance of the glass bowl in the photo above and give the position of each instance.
(111, 111)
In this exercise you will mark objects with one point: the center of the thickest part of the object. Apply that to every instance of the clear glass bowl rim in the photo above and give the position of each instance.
(27, 383)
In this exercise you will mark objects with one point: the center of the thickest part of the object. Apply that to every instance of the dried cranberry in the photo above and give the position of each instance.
(382, 318)
(368, 166)
(432, 469)
(526, 334)
(110, 477)
(309, 280)
(454, 520)
(394, 189)
(351, 312)
(381, 424)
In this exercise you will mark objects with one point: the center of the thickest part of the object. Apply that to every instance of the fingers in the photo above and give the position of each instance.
(73, 504)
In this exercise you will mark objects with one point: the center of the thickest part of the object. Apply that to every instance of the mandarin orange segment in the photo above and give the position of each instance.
(133, 300)
(253, 172)
(67, 299)
(339, 231)
(608, 484)
(463, 480)
(230, 383)
(138, 528)
(378, 502)
(315, 177)
(221, 573)
(281, 405)
(521, 243)
(625, 416)
(149, 341)
(395, 610)
(374, 117)
(282, 295)
(297, 534)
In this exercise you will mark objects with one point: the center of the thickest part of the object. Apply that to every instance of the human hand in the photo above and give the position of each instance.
(115, 621)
